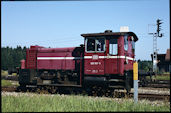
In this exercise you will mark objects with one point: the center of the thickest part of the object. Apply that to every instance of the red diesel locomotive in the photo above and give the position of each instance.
(104, 60)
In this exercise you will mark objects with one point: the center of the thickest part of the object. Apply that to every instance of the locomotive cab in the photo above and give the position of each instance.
(109, 58)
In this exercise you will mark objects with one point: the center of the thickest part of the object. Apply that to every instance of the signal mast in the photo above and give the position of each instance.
(155, 35)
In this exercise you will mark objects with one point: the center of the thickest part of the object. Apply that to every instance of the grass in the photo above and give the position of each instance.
(72, 103)
(14, 74)
(6, 83)
(9, 83)
(166, 73)
(160, 77)
(4, 73)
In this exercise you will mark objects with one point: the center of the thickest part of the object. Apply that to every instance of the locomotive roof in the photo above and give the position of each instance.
(111, 34)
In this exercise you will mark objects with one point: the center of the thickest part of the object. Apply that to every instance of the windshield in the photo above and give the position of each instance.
(95, 44)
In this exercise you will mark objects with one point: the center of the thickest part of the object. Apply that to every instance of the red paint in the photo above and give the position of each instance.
(102, 64)
(94, 66)
(107, 65)
(22, 64)
(61, 64)
(31, 58)
(39, 52)
(81, 70)
(121, 53)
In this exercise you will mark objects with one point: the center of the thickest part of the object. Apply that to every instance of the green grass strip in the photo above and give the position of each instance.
(72, 103)
(6, 83)
(159, 77)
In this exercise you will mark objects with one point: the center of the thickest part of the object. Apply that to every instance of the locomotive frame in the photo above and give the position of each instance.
(104, 60)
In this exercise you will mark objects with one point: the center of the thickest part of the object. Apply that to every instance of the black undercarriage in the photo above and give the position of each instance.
(52, 80)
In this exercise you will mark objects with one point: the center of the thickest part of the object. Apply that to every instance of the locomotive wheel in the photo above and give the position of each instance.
(39, 89)
(46, 90)
(84, 92)
(103, 92)
(42, 90)
(108, 93)
(94, 91)
(22, 87)
(31, 89)
(117, 95)
(53, 89)
(99, 91)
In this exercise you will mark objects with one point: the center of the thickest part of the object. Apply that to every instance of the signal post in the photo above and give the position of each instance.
(155, 35)
(135, 77)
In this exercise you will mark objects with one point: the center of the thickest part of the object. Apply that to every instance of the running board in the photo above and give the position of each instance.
(64, 85)
(116, 80)
(117, 87)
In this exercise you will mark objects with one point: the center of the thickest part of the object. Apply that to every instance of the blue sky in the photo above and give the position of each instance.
(60, 23)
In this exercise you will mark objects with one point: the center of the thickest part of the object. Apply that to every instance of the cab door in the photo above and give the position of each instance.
(94, 56)
(111, 60)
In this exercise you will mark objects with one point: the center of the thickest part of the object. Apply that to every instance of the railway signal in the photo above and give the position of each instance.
(155, 35)
(159, 27)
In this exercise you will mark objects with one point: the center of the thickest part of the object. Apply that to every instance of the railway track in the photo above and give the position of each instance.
(9, 89)
(154, 97)
(157, 84)
(115, 94)
(151, 97)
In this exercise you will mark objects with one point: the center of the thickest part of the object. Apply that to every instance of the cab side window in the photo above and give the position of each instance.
(90, 44)
(113, 46)
(100, 44)
(126, 43)
(133, 44)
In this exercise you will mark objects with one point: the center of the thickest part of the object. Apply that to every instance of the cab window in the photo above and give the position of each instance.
(95, 45)
(113, 46)
(90, 44)
(133, 45)
(100, 43)
(126, 43)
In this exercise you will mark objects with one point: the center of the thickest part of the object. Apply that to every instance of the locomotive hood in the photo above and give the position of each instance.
(111, 34)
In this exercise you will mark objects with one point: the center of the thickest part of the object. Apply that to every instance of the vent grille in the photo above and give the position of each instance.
(31, 59)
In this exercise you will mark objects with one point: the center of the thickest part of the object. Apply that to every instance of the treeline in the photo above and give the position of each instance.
(145, 65)
(10, 57)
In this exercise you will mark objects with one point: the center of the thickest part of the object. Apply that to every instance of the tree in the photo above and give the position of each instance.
(10, 57)
(145, 65)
